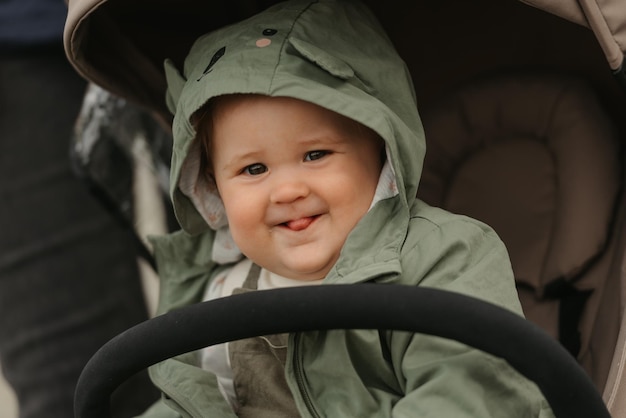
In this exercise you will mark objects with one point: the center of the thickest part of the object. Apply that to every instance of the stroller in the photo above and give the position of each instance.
(523, 109)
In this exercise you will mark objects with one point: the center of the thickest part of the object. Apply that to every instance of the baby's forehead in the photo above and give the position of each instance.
(252, 124)
(240, 108)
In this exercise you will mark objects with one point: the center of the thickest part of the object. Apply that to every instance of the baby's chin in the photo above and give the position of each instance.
(302, 276)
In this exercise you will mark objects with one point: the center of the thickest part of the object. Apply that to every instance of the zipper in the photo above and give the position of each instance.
(299, 374)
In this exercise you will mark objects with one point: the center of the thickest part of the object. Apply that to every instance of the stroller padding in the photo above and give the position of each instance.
(535, 157)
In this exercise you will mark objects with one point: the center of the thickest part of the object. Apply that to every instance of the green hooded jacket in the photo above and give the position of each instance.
(336, 55)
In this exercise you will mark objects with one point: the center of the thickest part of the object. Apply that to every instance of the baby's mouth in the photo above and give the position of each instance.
(300, 224)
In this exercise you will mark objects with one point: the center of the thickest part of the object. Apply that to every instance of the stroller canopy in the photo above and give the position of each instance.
(605, 17)
(121, 45)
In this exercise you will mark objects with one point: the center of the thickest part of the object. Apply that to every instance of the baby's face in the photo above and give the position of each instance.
(295, 179)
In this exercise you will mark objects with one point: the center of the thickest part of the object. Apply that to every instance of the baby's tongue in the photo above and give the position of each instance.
(299, 224)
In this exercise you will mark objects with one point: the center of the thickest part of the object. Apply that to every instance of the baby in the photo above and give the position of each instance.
(297, 154)
(294, 178)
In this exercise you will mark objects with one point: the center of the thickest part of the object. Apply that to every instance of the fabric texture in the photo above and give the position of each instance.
(249, 276)
(335, 54)
(260, 394)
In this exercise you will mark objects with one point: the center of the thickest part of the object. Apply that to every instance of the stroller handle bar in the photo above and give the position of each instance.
(527, 348)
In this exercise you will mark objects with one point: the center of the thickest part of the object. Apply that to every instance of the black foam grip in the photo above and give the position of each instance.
(530, 350)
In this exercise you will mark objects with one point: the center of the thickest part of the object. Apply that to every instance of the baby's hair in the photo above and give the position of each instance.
(202, 122)
(366, 131)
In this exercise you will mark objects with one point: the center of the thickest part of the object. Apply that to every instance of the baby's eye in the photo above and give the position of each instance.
(315, 155)
(255, 169)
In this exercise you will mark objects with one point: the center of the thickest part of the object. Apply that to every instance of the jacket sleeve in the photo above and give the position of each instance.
(447, 379)
(443, 378)
(184, 265)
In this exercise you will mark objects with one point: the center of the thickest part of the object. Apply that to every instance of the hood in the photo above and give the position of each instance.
(331, 53)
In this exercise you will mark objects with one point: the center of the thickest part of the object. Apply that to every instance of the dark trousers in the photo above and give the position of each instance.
(68, 274)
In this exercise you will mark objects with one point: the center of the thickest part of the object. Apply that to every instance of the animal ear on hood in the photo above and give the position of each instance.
(329, 63)
(175, 84)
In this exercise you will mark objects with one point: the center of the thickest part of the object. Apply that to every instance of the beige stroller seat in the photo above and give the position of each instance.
(535, 157)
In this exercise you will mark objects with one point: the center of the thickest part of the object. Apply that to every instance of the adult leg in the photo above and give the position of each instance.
(68, 273)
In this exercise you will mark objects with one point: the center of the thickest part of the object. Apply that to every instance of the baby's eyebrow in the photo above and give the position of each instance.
(239, 158)
(321, 140)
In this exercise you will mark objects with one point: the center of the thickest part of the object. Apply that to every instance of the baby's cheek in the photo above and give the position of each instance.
(236, 222)
(242, 223)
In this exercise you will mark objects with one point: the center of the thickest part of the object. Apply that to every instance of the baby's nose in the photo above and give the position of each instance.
(289, 189)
